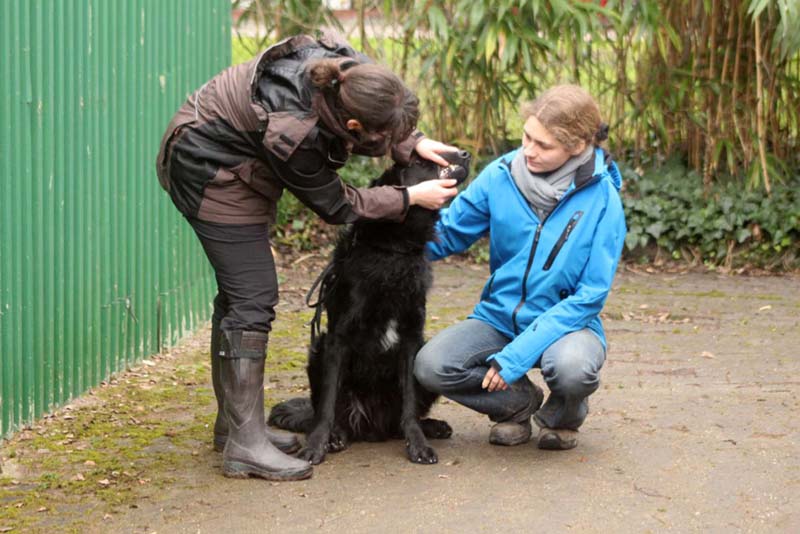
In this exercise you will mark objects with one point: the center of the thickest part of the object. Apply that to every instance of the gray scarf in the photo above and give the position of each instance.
(543, 191)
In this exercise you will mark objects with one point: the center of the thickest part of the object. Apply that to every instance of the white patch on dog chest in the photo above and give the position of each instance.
(390, 337)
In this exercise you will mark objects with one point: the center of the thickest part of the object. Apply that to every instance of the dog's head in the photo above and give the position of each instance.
(420, 170)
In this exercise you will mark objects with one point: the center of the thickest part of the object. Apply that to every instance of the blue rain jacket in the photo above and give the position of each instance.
(548, 278)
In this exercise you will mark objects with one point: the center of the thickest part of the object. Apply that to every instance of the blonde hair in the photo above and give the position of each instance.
(570, 114)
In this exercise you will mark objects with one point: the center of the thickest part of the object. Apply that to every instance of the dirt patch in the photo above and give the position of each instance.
(693, 430)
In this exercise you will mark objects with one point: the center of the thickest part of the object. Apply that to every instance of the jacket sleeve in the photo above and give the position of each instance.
(401, 152)
(576, 311)
(306, 174)
(465, 220)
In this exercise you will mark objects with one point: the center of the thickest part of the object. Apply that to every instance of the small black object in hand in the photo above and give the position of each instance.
(458, 169)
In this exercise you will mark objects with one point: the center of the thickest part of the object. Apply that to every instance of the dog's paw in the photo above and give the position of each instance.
(338, 441)
(436, 429)
(312, 455)
(421, 454)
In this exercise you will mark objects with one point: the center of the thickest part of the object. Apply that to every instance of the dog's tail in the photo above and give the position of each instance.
(295, 415)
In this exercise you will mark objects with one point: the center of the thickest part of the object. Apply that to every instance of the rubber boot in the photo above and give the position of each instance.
(517, 429)
(285, 441)
(248, 451)
(220, 424)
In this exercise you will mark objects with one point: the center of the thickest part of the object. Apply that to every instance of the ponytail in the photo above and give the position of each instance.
(325, 73)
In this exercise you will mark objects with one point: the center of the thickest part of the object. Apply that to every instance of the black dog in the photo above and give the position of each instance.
(361, 371)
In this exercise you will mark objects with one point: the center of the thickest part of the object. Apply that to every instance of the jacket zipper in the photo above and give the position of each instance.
(562, 239)
(533, 251)
(525, 278)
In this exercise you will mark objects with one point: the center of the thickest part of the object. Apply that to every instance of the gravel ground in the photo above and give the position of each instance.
(692, 430)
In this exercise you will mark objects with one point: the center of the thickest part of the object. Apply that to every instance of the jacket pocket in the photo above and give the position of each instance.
(562, 239)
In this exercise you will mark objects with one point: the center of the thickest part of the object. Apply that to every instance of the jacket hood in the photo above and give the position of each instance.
(602, 166)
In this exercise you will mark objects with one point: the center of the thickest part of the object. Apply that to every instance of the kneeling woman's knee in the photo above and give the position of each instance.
(573, 377)
(427, 369)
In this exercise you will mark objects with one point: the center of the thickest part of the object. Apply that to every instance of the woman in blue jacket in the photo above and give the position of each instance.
(556, 227)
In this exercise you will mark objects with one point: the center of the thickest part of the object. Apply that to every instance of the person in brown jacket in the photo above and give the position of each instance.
(288, 119)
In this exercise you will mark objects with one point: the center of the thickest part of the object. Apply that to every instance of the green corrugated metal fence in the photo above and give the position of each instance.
(96, 267)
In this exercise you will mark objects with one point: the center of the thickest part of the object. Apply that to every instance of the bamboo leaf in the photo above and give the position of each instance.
(756, 7)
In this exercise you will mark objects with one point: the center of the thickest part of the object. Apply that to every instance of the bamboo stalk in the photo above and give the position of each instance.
(696, 53)
(708, 165)
(362, 30)
(772, 67)
(724, 72)
(762, 152)
(735, 84)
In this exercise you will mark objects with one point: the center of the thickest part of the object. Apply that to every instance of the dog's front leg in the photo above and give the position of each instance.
(418, 449)
(317, 442)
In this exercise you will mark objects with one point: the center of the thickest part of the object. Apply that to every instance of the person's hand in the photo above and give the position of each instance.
(432, 194)
(492, 381)
(430, 149)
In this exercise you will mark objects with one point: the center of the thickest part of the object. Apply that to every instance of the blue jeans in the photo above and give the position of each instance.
(454, 363)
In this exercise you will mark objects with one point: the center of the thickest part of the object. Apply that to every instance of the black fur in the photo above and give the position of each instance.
(361, 371)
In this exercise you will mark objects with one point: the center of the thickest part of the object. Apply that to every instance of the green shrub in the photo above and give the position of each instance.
(668, 213)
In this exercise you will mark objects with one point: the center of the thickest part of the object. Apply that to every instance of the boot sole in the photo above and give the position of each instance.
(552, 442)
(232, 469)
(509, 443)
(219, 446)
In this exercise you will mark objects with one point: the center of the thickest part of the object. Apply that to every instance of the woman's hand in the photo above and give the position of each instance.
(430, 149)
(492, 381)
(432, 194)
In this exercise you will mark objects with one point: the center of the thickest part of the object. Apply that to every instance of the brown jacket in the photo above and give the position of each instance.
(251, 130)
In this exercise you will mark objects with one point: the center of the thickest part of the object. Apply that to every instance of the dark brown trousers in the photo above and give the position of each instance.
(247, 284)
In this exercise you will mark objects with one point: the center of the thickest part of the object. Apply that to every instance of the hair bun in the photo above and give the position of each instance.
(602, 133)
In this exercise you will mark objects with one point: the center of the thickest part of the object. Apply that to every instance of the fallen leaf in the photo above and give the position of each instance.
(706, 354)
